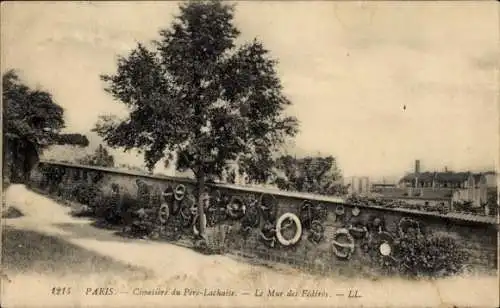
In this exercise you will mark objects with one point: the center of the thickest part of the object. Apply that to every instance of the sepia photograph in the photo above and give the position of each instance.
(211, 153)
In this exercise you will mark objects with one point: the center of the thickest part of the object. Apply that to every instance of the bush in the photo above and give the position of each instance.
(88, 194)
(436, 256)
(104, 208)
(143, 223)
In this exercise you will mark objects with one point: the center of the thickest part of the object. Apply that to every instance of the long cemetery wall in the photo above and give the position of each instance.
(307, 231)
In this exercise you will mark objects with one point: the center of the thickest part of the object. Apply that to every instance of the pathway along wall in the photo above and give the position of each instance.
(304, 230)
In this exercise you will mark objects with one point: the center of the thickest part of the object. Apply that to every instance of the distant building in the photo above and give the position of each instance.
(420, 196)
(377, 187)
(461, 186)
(492, 179)
(358, 185)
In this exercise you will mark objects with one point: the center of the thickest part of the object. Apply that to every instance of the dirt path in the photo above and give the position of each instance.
(181, 268)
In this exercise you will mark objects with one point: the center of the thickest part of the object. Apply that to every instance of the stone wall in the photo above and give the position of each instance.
(366, 226)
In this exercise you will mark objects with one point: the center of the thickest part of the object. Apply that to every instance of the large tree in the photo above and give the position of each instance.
(312, 174)
(200, 96)
(32, 121)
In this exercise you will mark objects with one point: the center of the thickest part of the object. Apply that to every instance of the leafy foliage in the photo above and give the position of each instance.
(200, 96)
(32, 121)
(88, 194)
(309, 174)
(32, 115)
(435, 256)
(101, 157)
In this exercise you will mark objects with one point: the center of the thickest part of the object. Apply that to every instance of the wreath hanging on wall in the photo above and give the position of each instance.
(355, 211)
(376, 223)
(382, 246)
(306, 214)
(163, 213)
(286, 221)
(317, 232)
(268, 205)
(343, 249)
(268, 234)
(408, 227)
(357, 229)
(236, 208)
(179, 192)
(310, 212)
(251, 219)
(339, 210)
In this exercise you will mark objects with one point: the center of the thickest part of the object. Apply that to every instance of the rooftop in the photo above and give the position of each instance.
(441, 176)
(428, 194)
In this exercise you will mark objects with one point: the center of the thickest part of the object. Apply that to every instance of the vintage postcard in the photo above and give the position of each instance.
(250, 154)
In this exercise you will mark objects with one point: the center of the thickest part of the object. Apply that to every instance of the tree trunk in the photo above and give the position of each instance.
(200, 182)
(17, 159)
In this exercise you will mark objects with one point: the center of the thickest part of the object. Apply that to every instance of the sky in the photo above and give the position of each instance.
(375, 84)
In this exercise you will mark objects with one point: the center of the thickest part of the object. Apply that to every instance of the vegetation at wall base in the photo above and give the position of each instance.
(433, 256)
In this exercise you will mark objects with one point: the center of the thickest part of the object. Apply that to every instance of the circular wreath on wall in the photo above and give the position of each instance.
(357, 229)
(408, 227)
(236, 208)
(383, 244)
(310, 212)
(179, 192)
(339, 210)
(306, 213)
(268, 234)
(317, 232)
(287, 222)
(355, 211)
(376, 223)
(163, 213)
(269, 206)
(343, 244)
(251, 219)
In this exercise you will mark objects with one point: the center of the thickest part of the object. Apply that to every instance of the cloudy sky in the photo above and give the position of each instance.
(348, 67)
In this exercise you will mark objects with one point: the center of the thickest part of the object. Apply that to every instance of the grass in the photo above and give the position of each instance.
(32, 252)
(11, 212)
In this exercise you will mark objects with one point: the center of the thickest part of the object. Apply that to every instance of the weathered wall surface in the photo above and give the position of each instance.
(315, 248)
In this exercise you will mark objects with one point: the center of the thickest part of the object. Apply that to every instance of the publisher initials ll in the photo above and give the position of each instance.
(354, 294)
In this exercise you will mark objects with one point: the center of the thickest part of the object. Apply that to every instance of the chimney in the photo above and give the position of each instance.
(417, 166)
(445, 168)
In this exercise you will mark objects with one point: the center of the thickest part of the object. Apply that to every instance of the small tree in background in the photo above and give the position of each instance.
(310, 174)
(101, 157)
(32, 122)
(202, 97)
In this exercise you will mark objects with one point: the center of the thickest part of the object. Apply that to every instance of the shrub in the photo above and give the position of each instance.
(88, 194)
(104, 207)
(436, 256)
(143, 223)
